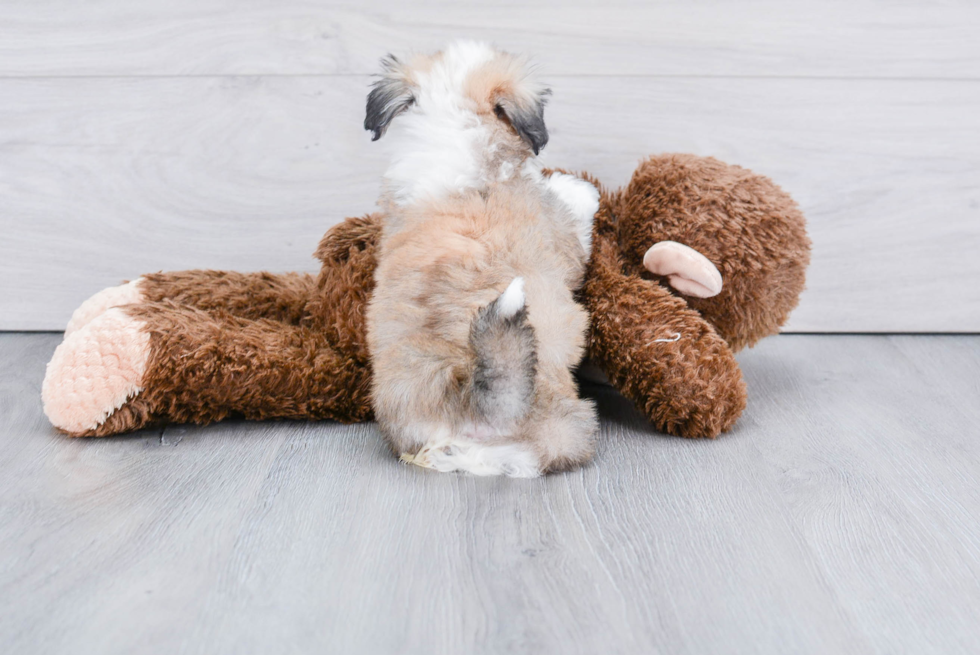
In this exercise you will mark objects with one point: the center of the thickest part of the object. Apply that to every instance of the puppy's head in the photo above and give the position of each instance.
(467, 85)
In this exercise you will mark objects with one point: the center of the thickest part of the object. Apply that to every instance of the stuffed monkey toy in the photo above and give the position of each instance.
(692, 260)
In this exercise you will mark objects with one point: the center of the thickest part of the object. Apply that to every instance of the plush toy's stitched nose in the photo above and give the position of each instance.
(688, 271)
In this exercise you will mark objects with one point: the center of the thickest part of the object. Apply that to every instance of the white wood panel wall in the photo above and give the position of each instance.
(177, 134)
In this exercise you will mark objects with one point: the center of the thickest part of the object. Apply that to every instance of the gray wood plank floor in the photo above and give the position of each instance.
(839, 517)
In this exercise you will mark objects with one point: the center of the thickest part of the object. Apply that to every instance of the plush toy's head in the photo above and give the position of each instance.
(748, 228)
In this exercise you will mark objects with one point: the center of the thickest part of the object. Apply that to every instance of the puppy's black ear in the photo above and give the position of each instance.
(526, 116)
(389, 96)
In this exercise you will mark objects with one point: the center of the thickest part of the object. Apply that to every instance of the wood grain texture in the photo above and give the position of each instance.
(103, 179)
(810, 38)
(839, 516)
(877, 466)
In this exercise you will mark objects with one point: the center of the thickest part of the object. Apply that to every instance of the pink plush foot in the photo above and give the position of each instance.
(125, 294)
(94, 371)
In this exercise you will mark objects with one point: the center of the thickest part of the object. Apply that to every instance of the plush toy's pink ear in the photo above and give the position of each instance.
(689, 271)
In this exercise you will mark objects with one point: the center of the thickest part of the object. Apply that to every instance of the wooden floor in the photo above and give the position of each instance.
(841, 516)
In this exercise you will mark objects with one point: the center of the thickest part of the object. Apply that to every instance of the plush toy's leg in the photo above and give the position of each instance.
(659, 353)
(95, 371)
(255, 344)
(278, 297)
(124, 294)
(161, 362)
(248, 295)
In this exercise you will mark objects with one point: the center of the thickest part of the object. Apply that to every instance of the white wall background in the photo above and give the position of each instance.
(169, 134)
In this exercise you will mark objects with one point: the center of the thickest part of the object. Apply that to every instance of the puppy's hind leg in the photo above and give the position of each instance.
(499, 398)
(564, 434)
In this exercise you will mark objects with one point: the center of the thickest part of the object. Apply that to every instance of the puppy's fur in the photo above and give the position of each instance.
(473, 328)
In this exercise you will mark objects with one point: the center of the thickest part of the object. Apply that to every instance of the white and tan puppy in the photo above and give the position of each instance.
(473, 328)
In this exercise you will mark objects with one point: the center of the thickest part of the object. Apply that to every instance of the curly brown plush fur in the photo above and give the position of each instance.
(293, 346)
(748, 227)
(751, 231)
(257, 345)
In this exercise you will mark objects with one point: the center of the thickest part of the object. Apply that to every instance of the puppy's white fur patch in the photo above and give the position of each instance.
(512, 299)
(437, 151)
(512, 460)
(582, 199)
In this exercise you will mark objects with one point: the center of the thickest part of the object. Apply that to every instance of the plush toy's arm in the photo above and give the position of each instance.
(149, 363)
(659, 353)
(349, 255)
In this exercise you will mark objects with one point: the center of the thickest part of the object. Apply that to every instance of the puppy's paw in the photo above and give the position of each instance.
(124, 294)
(94, 371)
(511, 460)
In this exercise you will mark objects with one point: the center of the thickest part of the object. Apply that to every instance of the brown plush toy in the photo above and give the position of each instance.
(199, 346)
(671, 350)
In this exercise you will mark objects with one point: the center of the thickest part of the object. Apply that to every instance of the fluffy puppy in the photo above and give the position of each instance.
(472, 328)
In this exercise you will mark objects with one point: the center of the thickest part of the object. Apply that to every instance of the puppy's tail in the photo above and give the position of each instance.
(506, 358)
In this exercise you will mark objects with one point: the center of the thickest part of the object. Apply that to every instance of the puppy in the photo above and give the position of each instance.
(473, 327)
